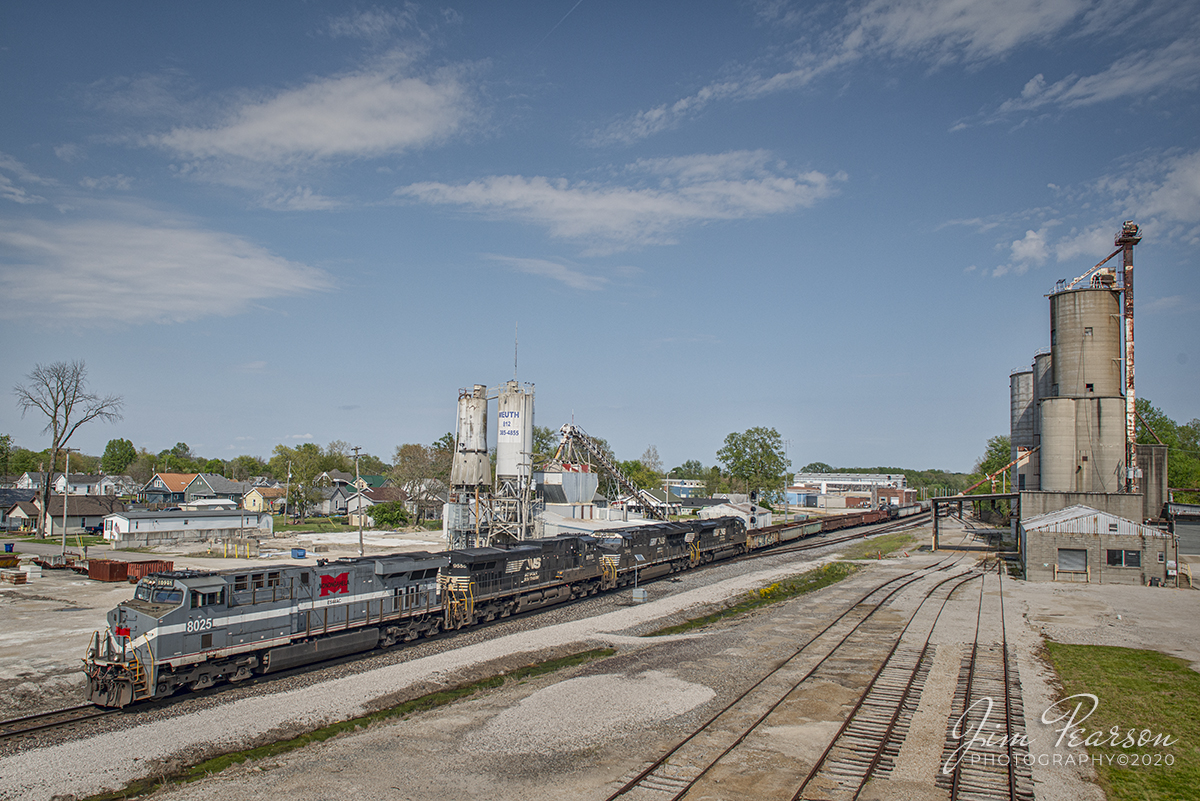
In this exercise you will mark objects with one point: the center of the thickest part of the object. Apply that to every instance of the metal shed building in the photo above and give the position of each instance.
(1086, 545)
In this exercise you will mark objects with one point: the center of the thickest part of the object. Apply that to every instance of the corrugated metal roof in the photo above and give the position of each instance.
(1080, 519)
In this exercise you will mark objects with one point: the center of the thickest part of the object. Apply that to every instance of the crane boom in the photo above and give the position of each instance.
(573, 434)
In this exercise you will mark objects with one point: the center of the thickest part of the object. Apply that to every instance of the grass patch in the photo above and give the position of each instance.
(779, 591)
(73, 540)
(1137, 690)
(883, 544)
(315, 526)
(426, 702)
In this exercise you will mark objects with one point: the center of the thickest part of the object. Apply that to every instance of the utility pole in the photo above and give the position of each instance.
(287, 492)
(786, 510)
(358, 486)
(66, 493)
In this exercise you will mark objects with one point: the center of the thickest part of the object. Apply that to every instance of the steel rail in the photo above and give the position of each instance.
(29, 723)
(636, 780)
(899, 704)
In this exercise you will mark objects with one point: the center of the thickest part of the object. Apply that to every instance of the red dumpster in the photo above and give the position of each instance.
(107, 569)
(137, 570)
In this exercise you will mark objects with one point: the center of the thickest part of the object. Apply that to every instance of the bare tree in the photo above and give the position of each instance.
(59, 391)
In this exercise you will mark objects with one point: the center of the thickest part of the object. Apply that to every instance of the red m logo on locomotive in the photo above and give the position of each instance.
(333, 585)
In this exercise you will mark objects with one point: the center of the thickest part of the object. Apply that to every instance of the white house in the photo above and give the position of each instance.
(147, 529)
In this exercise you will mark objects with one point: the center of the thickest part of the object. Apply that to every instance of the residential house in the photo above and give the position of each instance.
(118, 485)
(31, 480)
(359, 504)
(8, 482)
(264, 499)
(83, 512)
(333, 500)
(166, 488)
(211, 485)
(8, 499)
(335, 478)
(372, 482)
(77, 484)
(22, 516)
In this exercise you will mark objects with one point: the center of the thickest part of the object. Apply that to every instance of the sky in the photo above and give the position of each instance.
(275, 223)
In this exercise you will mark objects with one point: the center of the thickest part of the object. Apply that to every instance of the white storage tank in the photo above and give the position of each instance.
(514, 433)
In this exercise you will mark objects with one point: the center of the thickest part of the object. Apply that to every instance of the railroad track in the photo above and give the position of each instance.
(51, 720)
(841, 649)
(988, 690)
(871, 735)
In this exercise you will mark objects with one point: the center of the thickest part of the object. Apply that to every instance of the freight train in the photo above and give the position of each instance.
(189, 630)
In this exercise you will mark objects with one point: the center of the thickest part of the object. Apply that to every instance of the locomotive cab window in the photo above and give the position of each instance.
(241, 583)
(201, 599)
(273, 579)
(257, 580)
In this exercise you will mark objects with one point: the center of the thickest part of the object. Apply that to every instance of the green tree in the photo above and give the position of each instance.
(691, 470)
(545, 443)
(997, 454)
(243, 467)
(1183, 444)
(118, 455)
(304, 463)
(442, 452)
(755, 459)
(59, 392)
(415, 472)
(389, 515)
(141, 469)
(5, 452)
(370, 465)
(23, 460)
(817, 467)
(637, 472)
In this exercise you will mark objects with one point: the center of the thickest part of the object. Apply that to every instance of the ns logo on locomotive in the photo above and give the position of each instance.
(188, 630)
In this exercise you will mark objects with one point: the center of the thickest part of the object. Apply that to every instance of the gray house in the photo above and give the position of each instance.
(211, 485)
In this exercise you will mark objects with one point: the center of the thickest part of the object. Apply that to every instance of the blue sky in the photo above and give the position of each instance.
(316, 221)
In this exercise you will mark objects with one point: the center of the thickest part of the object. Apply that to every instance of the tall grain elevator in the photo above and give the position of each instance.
(1073, 408)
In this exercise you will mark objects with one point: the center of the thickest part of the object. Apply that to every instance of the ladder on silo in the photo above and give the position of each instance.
(574, 434)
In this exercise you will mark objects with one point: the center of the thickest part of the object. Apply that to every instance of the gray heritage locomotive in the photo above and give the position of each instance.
(188, 630)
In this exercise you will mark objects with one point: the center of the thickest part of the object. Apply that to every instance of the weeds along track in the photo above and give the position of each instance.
(858, 640)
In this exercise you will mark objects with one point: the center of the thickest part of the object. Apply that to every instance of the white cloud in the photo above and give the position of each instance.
(690, 190)
(555, 270)
(120, 182)
(373, 23)
(945, 31)
(1093, 243)
(362, 114)
(299, 436)
(9, 190)
(1177, 196)
(1140, 74)
(942, 33)
(126, 270)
